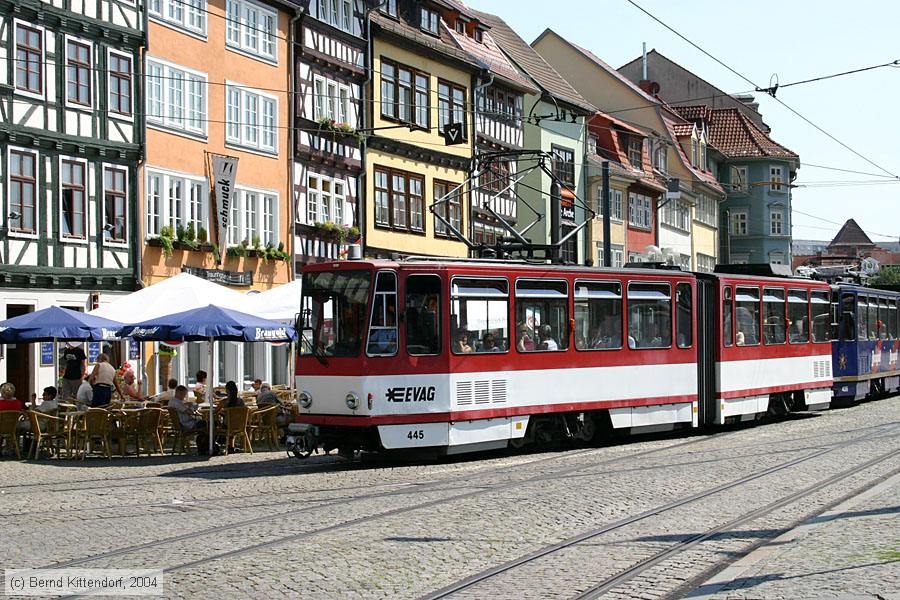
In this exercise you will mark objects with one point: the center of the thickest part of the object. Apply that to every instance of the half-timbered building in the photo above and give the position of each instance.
(330, 56)
(70, 143)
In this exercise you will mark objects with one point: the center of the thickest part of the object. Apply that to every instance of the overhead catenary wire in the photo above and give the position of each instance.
(748, 80)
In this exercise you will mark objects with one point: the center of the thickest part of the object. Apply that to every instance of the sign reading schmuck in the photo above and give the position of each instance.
(223, 174)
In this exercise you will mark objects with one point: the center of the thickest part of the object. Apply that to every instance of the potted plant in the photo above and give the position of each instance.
(166, 240)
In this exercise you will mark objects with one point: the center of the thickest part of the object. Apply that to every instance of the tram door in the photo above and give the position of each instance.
(707, 327)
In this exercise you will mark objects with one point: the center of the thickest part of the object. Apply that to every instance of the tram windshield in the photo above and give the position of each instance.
(333, 314)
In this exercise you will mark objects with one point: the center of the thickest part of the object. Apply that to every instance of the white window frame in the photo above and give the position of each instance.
(117, 115)
(780, 256)
(707, 210)
(242, 46)
(240, 225)
(705, 263)
(114, 243)
(739, 217)
(320, 216)
(165, 218)
(618, 255)
(642, 216)
(432, 16)
(243, 139)
(92, 87)
(744, 186)
(165, 7)
(38, 194)
(773, 221)
(741, 258)
(776, 178)
(615, 204)
(326, 105)
(87, 201)
(344, 20)
(167, 122)
(20, 23)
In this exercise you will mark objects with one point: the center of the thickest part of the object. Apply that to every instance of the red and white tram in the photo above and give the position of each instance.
(473, 355)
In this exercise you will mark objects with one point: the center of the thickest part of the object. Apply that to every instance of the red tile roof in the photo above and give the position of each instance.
(683, 129)
(735, 135)
(489, 53)
(532, 63)
(704, 176)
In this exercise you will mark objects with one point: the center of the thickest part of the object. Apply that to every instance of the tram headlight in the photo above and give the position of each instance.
(352, 401)
(304, 398)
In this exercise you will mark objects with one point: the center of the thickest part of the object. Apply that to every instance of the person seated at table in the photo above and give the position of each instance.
(200, 386)
(266, 396)
(232, 398)
(85, 394)
(8, 399)
(103, 378)
(187, 413)
(256, 385)
(129, 390)
(49, 401)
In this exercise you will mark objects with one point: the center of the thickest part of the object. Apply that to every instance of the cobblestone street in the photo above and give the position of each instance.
(803, 507)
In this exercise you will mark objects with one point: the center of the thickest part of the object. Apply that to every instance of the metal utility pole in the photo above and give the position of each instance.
(607, 248)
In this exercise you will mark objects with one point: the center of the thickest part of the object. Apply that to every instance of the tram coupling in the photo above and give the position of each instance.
(302, 439)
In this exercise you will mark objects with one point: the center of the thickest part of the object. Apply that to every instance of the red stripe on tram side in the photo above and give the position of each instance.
(775, 389)
(493, 413)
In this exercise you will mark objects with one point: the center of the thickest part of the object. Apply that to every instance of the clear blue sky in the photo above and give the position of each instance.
(797, 39)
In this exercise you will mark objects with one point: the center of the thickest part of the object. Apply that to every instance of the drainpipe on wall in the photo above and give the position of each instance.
(478, 90)
(142, 160)
(292, 140)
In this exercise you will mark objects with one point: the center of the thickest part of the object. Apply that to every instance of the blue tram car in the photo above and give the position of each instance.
(866, 343)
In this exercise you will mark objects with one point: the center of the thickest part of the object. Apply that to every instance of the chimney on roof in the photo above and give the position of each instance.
(651, 87)
(644, 62)
(748, 100)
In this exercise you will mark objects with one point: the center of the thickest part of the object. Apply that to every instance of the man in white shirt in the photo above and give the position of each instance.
(547, 341)
(187, 414)
(85, 394)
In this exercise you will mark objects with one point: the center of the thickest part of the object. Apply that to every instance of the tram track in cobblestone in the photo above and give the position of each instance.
(459, 497)
(408, 488)
(645, 565)
(468, 583)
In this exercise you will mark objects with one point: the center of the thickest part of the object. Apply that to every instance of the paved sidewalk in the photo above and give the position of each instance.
(851, 551)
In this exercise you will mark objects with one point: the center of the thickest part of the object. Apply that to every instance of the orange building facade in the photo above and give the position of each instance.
(217, 76)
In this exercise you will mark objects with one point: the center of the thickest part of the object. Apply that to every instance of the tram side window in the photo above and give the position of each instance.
(727, 320)
(894, 324)
(383, 326)
(542, 315)
(882, 322)
(862, 308)
(821, 316)
(479, 315)
(649, 315)
(873, 318)
(848, 318)
(798, 316)
(773, 307)
(423, 315)
(598, 315)
(684, 301)
(746, 316)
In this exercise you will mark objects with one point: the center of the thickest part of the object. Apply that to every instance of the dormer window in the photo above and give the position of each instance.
(389, 7)
(460, 26)
(703, 155)
(635, 151)
(479, 35)
(693, 152)
(429, 20)
(592, 144)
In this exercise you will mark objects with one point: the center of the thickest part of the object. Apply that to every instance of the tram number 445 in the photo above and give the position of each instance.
(416, 434)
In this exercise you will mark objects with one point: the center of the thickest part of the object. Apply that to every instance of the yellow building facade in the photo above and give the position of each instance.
(415, 92)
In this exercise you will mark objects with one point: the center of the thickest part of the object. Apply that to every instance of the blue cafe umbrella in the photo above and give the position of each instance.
(210, 323)
(56, 323)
